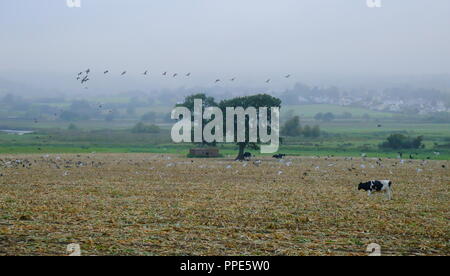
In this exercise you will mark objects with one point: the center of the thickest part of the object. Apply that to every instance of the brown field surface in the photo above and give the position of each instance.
(143, 204)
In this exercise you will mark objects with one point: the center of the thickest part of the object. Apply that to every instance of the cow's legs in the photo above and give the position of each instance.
(389, 194)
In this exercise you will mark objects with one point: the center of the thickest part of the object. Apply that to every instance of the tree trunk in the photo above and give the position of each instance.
(241, 151)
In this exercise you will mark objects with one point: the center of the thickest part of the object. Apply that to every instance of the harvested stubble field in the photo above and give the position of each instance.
(140, 204)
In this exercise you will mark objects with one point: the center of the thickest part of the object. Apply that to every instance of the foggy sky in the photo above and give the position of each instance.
(251, 39)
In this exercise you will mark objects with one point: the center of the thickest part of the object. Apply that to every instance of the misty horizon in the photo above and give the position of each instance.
(320, 43)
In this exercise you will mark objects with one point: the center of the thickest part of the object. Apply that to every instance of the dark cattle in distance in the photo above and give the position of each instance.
(247, 155)
(279, 156)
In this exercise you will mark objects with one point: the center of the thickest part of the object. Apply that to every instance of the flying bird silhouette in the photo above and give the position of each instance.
(88, 71)
(188, 74)
(174, 75)
(123, 73)
(164, 74)
(217, 81)
(106, 72)
(232, 79)
(85, 79)
(145, 73)
(287, 76)
(267, 81)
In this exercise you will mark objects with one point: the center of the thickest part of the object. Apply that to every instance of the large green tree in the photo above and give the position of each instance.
(256, 101)
(207, 102)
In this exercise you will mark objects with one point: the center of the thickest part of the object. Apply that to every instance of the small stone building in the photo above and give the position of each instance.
(204, 152)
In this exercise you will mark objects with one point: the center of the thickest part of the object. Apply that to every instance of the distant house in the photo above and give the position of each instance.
(204, 152)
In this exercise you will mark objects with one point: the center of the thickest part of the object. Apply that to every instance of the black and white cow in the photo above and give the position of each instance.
(377, 186)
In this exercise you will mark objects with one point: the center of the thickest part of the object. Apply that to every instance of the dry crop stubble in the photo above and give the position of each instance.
(149, 204)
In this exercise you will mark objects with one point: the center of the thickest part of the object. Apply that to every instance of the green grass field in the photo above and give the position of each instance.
(124, 142)
(341, 137)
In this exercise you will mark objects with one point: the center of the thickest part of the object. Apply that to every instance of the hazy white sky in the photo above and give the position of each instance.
(212, 38)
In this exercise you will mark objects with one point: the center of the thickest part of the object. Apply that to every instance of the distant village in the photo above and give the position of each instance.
(422, 106)
(421, 102)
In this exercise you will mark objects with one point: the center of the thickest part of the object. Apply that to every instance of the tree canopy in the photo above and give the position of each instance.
(256, 101)
(207, 102)
(250, 105)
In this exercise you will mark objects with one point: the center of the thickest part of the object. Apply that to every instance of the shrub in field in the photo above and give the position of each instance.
(292, 127)
(400, 141)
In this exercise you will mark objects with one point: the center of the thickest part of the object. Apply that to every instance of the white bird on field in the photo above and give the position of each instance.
(73, 249)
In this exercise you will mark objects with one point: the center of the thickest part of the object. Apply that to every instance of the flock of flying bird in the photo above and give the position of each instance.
(83, 76)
